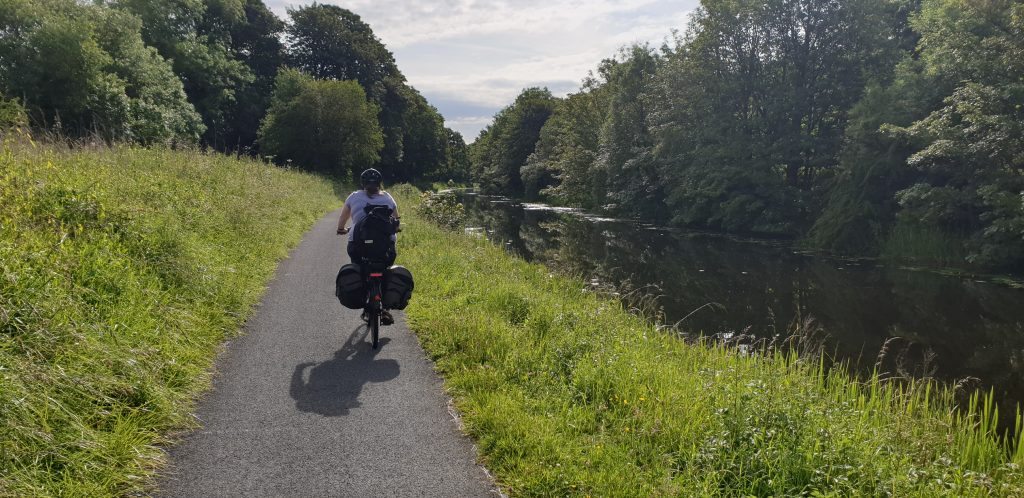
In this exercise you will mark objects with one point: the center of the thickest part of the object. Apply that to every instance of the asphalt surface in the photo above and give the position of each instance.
(302, 406)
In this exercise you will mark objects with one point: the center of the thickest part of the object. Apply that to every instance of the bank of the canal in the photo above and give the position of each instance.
(568, 394)
(958, 329)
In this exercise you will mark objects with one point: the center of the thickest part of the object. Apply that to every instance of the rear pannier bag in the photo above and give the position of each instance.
(350, 287)
(397, 288)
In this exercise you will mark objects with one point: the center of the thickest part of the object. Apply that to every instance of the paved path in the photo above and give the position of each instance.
(301, 406)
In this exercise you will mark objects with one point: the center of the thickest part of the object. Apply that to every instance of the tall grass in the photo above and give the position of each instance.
(567, 394)
(121, 271)
(923, 245)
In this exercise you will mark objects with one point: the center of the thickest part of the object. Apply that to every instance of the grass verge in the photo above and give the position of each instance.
(121, 271)
(566, 394)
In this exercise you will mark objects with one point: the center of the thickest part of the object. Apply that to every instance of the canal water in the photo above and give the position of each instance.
(955, 329)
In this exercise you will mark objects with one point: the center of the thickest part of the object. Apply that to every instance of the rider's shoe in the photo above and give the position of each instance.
(386, 318)
(365, 316)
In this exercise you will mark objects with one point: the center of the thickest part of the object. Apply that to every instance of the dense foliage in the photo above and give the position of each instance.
(325, 124)
(85, 69)
(503, 147)
(330, 42)
(203, 71)
(863, 126)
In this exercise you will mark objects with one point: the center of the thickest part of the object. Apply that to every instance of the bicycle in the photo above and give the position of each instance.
(373, 273)
(374, 305)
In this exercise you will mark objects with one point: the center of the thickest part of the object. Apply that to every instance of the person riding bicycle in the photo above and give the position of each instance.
(355, 209)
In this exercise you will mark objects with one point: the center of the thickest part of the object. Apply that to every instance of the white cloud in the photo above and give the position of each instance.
(468, 126)
(403, 22)
(472, 57)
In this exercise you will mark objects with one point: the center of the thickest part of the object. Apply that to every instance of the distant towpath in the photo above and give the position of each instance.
(301, 406)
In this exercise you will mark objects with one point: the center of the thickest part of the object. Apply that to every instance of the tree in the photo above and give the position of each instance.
(626, 152)
(503, 147)
(970, 153)
(84, 69)
(226, 53)
(563, 166)
(331, 42)
(417, 133)
(860, 206)
(751, 107)
(324, 125)
(256, 43)
(327, 41)
(456, 158)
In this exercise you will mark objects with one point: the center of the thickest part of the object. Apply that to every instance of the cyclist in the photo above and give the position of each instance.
(355, 204)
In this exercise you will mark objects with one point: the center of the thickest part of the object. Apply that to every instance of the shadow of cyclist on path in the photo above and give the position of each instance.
(333, 386)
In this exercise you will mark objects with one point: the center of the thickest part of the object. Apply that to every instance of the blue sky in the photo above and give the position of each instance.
(470, 58)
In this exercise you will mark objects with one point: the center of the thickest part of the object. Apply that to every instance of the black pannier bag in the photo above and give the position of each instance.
(350, 287)
(397, 288)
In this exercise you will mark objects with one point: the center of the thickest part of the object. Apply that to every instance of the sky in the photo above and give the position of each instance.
(470, 58)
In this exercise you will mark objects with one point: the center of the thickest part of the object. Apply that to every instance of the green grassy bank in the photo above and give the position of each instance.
(121, 271)
(568, 395)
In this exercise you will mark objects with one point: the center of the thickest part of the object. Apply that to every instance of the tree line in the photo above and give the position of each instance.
(320, 91)
(869, 127)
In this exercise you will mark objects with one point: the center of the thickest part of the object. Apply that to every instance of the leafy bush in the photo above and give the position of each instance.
(322, 125)
(12, 115)
(442, 209)
(84, 69)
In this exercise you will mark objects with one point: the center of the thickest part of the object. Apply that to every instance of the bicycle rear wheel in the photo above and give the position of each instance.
(374, 328)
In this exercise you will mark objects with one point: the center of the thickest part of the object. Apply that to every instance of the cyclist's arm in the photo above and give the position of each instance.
(346, 212)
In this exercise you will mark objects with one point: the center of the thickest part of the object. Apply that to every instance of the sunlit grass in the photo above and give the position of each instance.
(121, 271)
(567, 394)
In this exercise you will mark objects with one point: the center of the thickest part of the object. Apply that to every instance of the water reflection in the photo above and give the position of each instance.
(945, 327)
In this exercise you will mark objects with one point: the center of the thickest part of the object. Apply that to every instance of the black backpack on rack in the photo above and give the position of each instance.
(372, 235)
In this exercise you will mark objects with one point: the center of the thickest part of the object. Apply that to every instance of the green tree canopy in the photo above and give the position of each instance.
(456, 165)
(750, 108)
(327, 41)
(324, 125)
(626, 151)
(971, 148)
(226, 53)
(564, 165)
(85, 69)
(503, 147)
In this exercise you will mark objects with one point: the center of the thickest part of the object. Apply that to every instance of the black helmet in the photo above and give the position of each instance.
(370, 176)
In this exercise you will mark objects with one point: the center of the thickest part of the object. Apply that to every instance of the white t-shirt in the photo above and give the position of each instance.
(359, 199)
